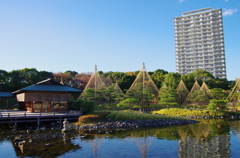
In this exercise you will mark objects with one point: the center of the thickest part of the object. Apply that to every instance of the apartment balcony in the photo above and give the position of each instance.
(219, 65)
(218, 52)
(218, 61)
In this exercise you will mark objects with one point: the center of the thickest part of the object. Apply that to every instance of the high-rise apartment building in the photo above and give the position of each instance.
(199, 42)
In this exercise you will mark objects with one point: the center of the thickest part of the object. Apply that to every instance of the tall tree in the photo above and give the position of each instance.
(29, 76)
(172, 80)
(72, 73)
(158, 77)
(3, 80)
(168, 97)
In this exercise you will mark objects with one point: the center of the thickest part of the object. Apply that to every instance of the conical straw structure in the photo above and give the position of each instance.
(182, 92)
(204, 88)
(144, 79)
(234, 94)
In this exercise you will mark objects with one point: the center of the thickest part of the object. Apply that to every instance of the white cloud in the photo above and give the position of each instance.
(180, 1)
(229, 12)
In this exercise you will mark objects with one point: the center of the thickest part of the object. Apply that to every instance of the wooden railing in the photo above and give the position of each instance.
(39, 114)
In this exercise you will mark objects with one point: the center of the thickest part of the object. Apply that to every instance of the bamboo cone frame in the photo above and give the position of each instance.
(182, 92)
(195, 87)
(117, 89)
(144, 78)
(204, 88)
(95, 81)
(234, 94)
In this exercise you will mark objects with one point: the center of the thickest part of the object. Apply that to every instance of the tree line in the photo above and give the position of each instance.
(17, 79)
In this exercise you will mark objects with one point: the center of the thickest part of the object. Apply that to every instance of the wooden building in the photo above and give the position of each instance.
(45, 96)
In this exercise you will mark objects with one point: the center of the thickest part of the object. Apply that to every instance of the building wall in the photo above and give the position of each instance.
(43, 101)
(43, 97)
(199, 42)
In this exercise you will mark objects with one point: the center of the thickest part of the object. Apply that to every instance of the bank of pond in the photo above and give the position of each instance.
(207, 138)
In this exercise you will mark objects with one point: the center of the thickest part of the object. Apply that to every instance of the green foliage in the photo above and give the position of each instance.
(219, 104)
(168, 97)
(89, 94)
(172, 80)
(143, 96)
(8, 103)
(93, 118)
(17, 79)
(113, 96)
(87, 106)
(102, 96)
(124, 80)
(218, 93)
(72, 73)
(194, 113)
(198, 97)
(131, 115)
(220, 83)
(158, 76)
(212, 106)
(127, 103)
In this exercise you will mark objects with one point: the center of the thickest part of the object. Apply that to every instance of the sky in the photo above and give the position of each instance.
(115, 35)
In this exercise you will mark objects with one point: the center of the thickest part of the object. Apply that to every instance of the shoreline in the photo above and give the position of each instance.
(131, 124)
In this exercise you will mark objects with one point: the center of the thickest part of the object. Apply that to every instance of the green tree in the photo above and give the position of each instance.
(172, 80)
(29, 76)
(15, 80)
(199, 75)
(220, 83)
(144, 96)
(217, 104)
(168, 97)
(127, 103)
(3, 80)
(218, 93)
(112, 96)
(197, 97)
(158, 77)
(43, 75)
(89, 94)
(124, 80)
(72, 73)
(87, 106)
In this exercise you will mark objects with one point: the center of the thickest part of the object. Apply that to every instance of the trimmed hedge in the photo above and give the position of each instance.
(196, 113)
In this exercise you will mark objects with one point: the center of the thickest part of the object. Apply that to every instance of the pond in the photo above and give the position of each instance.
(209, 138)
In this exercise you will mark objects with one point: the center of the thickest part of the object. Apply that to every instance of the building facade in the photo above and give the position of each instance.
(45, 96)
(199, 42)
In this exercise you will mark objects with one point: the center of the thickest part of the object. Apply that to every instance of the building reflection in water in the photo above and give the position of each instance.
(44, 145)
(217, 146)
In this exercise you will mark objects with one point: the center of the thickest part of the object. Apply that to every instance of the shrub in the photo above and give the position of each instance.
(187, 112)
(88, 118)
(220, 104)
(87, 106)
(95, 117)
(212, 106)
(127, 103)
(131, 115)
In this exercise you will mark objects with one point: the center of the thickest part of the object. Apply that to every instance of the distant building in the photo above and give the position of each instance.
(199, 42)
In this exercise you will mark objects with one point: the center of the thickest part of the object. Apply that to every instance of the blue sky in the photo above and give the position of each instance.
(116, 35)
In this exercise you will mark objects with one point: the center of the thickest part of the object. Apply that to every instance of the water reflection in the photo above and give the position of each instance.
(209, 138)
(144, 144)
(42, 144)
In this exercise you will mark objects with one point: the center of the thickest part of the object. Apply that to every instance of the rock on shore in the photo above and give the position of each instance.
(130, 124)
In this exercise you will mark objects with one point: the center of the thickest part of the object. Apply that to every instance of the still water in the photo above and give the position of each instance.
(213, 138)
